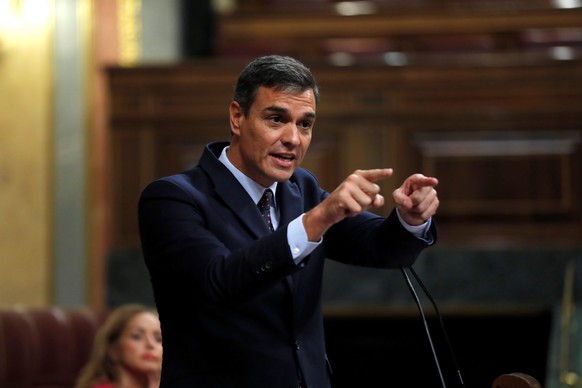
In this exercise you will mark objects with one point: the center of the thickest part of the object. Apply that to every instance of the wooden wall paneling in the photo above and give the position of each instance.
(180, 144)
(502, 195)
(399, 153)
(361, 145)
(155, 93)
(462, 28)
(374, 115)
(488, 92)
(504, 174)
(326, 24)
(323, 158)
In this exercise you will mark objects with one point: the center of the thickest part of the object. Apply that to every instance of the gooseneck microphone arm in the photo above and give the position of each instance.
(425, 323)
(442, 325)
(420, 310)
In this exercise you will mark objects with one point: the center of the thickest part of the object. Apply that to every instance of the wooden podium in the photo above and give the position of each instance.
(516, 380)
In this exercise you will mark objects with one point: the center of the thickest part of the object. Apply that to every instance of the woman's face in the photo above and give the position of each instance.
(140, 345)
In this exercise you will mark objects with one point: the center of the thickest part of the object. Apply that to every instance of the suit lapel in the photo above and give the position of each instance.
(237, 199)
(243, 207)
(289, 199)
(289, 202)
(231, 192)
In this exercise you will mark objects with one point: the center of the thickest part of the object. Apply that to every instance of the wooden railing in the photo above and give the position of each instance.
(364, 28)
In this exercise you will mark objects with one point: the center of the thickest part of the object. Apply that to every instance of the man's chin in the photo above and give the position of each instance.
(281, 176)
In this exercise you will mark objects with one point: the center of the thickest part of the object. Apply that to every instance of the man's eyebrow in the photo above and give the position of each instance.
(275, 108)
(280, 109)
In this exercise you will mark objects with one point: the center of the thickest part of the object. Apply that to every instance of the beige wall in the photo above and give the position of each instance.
(53, 141)
(25, 152)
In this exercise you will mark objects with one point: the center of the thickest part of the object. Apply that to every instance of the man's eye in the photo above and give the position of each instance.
(307, 124)
(276, 119)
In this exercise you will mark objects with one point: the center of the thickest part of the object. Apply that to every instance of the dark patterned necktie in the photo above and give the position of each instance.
(265, 207)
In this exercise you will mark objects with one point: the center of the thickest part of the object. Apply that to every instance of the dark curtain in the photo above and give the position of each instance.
(198, 28)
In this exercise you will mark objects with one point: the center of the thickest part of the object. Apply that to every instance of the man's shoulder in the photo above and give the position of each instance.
(181, 182)
(305, 180)
(302, 176)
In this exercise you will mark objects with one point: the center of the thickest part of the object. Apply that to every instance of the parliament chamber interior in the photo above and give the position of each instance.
(486, 95)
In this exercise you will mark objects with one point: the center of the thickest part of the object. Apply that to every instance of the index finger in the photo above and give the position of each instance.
(375, 174)
(419, 180)
(416, 181)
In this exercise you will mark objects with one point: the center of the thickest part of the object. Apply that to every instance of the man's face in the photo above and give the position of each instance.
(271, 142)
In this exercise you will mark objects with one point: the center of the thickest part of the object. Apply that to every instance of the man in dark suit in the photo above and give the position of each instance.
(240, 305)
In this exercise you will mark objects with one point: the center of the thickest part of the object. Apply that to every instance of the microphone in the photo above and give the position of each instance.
(425, 323)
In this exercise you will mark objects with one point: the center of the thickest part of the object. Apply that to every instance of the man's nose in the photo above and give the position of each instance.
(291, 134)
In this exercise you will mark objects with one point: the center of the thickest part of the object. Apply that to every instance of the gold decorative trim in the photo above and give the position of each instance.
(129, 19)
(568, 376)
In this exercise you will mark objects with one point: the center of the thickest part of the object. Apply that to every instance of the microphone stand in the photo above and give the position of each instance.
(425, 323)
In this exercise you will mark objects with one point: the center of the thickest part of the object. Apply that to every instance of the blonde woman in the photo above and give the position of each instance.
(127, 352)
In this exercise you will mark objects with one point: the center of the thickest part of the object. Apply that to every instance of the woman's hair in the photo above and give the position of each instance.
(272, 71)
(101, 368)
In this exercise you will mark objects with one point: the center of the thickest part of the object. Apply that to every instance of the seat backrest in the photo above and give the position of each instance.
(83, 324)
(516, 380)
(45, 347)
(18, 349)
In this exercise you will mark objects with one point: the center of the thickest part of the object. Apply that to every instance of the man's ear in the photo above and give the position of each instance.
(236, 117)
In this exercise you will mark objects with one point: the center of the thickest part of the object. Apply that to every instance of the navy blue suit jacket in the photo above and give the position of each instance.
(235, 309)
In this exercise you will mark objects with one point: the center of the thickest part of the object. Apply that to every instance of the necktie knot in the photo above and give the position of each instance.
(265, 207)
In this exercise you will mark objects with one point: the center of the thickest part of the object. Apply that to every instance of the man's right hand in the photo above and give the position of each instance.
(356, 194)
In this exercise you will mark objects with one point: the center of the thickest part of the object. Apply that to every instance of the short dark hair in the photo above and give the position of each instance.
(273, 71)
